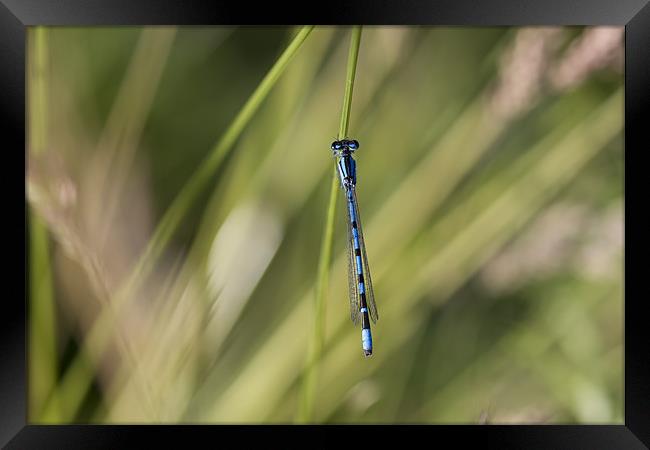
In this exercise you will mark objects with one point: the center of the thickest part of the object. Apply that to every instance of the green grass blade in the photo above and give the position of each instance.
(355, 42)
(325, 260)
(42, 325)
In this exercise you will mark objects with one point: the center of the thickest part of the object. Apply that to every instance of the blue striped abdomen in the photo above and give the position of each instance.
(366, 336)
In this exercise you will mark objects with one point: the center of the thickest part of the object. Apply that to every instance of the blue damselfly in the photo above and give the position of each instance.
(362, 299)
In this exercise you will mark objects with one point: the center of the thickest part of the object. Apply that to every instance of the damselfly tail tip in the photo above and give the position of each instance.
(366, 340)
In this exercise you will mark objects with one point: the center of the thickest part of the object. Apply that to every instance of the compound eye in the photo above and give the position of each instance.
(353, 144)
(336, 145)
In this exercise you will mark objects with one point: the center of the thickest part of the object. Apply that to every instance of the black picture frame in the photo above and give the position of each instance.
(16, 15)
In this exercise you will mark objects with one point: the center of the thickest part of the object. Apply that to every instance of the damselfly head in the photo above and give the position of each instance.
(345, 143)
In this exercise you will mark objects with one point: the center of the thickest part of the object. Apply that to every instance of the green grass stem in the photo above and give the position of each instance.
(42, 361)
(325, 259)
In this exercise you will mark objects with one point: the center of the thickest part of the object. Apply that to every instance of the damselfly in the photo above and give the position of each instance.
(362, 299)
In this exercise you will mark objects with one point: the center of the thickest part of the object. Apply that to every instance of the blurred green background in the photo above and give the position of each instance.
(174, 241)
